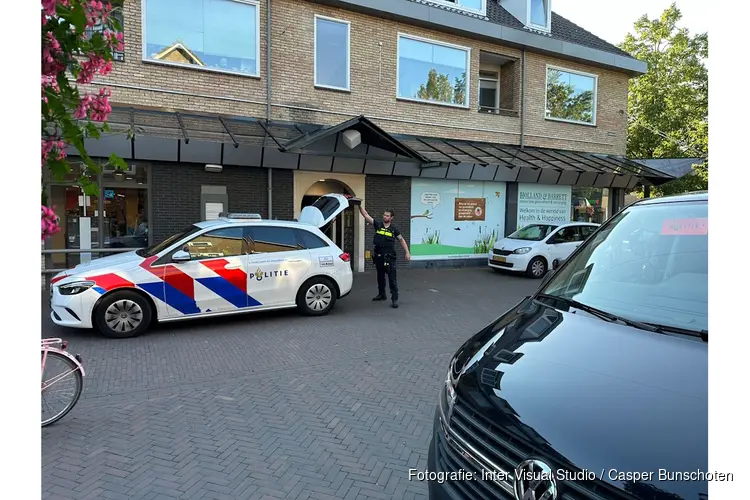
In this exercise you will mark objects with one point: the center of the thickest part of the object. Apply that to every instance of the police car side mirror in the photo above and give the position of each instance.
(180, 256)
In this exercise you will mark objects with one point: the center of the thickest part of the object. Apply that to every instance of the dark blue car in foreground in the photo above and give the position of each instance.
(595, 387)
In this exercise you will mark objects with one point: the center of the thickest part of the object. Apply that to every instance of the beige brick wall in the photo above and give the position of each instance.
(373, 84)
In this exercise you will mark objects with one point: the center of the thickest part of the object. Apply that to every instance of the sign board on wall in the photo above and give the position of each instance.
(468, 209)
(453, 219)
(540, 203)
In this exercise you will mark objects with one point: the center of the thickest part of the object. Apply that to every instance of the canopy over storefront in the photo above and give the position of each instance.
(356, 145)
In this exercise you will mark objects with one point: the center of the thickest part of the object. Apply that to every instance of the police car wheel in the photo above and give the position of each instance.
(316, 296)
(122, 314)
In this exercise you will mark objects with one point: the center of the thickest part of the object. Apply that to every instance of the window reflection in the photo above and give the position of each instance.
(331, 53)
(429, 71)
(213, 34)
(589, 204)
(571, 96)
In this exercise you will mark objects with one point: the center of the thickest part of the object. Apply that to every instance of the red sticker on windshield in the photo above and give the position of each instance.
(685, 227)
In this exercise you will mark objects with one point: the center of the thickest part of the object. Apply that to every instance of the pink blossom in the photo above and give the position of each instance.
(48, 7)
(53, 149)
(50, 222)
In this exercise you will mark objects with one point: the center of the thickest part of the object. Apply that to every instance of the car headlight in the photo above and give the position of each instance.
(523, 250)
(75, 288)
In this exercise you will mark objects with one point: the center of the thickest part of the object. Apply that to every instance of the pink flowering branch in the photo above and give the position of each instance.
(79, 40)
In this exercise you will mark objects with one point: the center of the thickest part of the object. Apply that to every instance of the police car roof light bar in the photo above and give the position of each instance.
(239, 215)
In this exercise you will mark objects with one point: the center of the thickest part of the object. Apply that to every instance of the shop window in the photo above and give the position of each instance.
(227, 242)
(214, 35)
(589, 205)
(70, 205)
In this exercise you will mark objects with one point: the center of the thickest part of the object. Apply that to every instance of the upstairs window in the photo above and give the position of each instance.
(332, 53)
(430, 71)
(213, 35)
(489, 92)
(476, 6)
(571, 96)
(99, 27)
(539, 14)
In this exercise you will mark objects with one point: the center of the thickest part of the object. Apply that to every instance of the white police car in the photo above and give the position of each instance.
(237, 263)
(534, 248)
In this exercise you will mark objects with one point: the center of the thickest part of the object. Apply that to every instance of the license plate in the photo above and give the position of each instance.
(498, 258)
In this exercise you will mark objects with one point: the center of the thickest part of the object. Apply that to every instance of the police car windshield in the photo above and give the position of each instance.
(533, 232)
(161, 246)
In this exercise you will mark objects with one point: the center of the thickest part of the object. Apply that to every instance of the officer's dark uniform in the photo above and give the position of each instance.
(384, 258)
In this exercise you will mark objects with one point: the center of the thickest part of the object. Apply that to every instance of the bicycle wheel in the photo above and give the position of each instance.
(66, 384)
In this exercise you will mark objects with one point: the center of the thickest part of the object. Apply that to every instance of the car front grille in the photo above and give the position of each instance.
(471, 438)
(501, 252)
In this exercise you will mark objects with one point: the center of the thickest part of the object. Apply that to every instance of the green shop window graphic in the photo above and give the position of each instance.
(456, 219)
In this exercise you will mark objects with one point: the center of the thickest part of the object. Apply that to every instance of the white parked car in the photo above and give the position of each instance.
(234, 264)
(533, 249)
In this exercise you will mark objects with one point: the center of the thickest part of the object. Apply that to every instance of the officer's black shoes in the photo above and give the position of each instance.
(394, 304)
(378, 297)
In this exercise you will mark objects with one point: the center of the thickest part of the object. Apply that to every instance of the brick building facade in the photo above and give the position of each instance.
(200, 83)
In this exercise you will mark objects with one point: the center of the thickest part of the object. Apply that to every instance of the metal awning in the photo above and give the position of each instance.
(161, 135)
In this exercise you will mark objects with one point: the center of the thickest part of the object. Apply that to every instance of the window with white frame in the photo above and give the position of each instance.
(430, 71)
(571, 96)
(478, 6)
(539, 14)
(332, 53)
(489, 91)
(217, 35)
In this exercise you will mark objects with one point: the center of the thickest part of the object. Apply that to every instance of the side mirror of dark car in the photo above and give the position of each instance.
(557, 263)
(180, 256)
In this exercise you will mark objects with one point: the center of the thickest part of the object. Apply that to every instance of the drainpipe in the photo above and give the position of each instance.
(268, 99)
(523, 92)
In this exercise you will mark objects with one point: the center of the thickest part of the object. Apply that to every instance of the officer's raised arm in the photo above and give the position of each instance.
(365, 214)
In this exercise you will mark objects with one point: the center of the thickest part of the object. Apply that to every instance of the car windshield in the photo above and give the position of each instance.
(533, 232)
(157, 248)
(649, 263)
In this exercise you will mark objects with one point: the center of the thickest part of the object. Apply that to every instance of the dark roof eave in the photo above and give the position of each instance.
(360, 121)
(446, 20)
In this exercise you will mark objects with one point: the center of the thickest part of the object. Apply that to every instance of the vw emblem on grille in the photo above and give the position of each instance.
(534, 480)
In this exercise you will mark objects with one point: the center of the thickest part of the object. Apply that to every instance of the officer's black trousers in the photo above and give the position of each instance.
(386, 266)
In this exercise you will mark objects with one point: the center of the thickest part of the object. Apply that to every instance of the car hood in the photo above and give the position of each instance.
(117, 262)
(584, 394)
(511, 244)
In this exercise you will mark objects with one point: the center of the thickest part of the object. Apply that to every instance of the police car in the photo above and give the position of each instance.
(235, 264)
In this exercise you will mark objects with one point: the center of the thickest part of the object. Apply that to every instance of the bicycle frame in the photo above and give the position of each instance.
(48, 345)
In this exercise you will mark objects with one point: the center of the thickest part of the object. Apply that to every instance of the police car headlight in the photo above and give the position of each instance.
(523, 250)
(75, 288)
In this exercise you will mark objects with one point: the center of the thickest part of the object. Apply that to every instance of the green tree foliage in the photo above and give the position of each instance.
(563, 102)
(668, 106)
(438, 88)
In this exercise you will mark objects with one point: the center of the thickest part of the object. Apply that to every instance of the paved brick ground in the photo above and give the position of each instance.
(271, 405)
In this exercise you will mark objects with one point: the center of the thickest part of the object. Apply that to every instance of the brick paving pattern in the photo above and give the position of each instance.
(271, 406)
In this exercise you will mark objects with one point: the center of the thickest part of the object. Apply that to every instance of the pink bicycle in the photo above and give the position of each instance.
(62, 380)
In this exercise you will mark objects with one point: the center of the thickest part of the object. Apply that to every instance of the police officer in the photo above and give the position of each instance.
(384, 252)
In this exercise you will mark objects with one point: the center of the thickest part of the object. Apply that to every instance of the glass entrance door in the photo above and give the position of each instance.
(70, 205)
